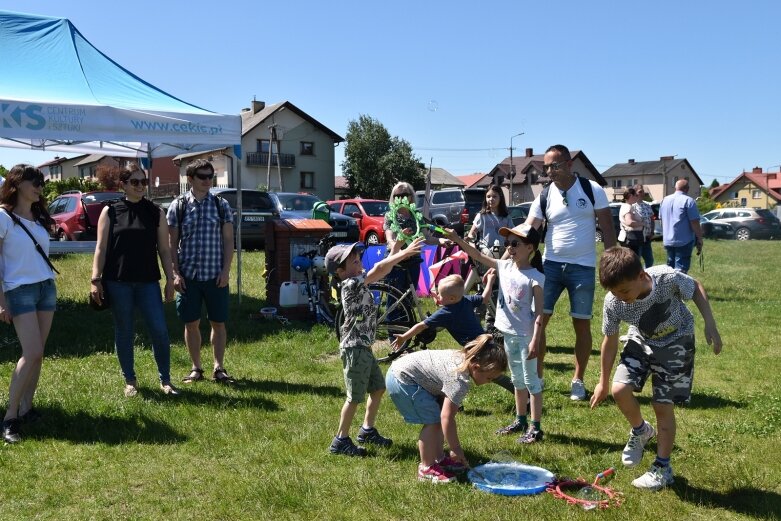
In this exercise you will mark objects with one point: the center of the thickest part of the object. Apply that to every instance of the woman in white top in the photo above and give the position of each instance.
(631, 234)
(29, 296)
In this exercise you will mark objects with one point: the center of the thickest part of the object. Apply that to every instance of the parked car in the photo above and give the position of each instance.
(748, 223)
(452, 207)
(519, 213)
(76, 214)
(716, 230)
(615, 208)
(257, 207)
(370, 214)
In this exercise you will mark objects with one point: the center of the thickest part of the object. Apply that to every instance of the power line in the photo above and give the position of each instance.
(459, 149)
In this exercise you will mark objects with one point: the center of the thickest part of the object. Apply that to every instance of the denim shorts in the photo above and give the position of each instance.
(415, 404)
(40, 296)
(188, 304)
(522, 371)
(579, 281)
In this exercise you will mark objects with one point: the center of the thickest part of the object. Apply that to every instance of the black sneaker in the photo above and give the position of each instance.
(11, 431)
(373, 436)
(516, 426)
(346, 447)
(532, 435)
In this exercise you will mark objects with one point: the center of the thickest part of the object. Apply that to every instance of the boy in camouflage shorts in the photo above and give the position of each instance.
(362, 373)
(660, 342)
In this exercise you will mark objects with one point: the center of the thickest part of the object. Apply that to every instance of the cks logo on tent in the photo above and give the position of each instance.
(28, 116)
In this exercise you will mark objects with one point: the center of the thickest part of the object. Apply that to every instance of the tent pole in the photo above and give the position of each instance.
(238, 229)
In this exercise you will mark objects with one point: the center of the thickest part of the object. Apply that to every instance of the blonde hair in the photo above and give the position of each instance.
(452, 285)
(403, 188)
(484, 352)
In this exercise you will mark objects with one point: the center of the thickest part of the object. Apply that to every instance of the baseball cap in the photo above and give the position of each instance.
(338, 254)
(525, 231)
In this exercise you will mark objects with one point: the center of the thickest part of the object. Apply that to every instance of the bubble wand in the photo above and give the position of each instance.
(415, 222)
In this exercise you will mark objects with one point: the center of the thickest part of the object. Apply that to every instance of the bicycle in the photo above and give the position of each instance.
(319, 298)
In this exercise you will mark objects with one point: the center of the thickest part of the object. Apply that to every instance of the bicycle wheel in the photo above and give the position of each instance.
(394, 316)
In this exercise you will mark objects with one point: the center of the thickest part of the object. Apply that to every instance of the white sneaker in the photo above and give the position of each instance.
(633, 452)
(655, 479)
(578, 391)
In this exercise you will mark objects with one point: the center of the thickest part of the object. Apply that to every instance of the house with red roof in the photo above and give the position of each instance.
(755, 189)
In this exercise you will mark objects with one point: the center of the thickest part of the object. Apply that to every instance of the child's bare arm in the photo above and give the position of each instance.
(606, 360)
(711, 331)
(470, 250)
(488, 281)
(534, 344)
(382, 268)
(450, 431)
(408, 335)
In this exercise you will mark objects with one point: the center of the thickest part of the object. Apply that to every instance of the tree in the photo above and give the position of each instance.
(3, 171)
(374, 161)
(108, 176)
(714, 183)
(704, 202)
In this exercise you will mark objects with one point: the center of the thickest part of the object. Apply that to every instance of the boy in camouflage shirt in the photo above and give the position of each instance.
(362, 373)
(660, 342)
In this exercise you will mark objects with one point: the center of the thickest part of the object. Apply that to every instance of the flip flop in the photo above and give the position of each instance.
(220, 375)
(194, 376)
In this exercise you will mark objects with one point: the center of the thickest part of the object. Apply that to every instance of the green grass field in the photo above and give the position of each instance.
(258, 450)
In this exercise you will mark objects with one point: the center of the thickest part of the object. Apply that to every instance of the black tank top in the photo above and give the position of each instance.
(132, 249)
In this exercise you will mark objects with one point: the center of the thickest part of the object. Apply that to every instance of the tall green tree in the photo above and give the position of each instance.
(374, 160)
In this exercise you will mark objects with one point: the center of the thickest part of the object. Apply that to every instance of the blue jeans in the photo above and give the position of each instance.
(680, 257)
(647, 253)
(126, 297)
(579, 281)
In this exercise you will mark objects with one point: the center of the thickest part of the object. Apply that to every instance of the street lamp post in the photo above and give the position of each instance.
(512, 168)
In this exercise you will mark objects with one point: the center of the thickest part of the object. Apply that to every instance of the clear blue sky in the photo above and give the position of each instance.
(696, 79)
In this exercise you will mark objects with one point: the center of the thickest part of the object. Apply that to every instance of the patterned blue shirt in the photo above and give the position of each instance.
(200, 242)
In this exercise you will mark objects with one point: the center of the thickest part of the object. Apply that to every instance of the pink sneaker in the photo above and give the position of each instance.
(435, 474)
(449, 464)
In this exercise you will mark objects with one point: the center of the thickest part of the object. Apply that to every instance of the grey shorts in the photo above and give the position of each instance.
(362, 373)
(671, 368)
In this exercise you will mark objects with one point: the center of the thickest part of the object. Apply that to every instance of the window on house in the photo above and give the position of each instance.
(735, 195)
(743, 201)
(307, 180)
(756, 194)
(616, 183)
(263, 146)
(634, 182)
(307, 148)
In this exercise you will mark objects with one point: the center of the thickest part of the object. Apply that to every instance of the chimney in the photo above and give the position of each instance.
(529, 152)
(257, 106)
(666, 158)
(757, 170)
(631, 161)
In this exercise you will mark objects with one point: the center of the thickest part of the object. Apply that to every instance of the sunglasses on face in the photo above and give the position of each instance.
(204, 177)
(513, 244)
(553, 166)
(136, 182)
(37, 182)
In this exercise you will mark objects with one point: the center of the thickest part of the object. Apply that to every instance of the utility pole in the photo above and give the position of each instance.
(512, 167)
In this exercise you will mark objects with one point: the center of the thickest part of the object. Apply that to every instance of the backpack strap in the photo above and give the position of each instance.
(585, 185)
(180, 206)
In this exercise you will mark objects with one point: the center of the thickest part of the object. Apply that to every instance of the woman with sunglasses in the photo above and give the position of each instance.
(29, 295)
(132, 234)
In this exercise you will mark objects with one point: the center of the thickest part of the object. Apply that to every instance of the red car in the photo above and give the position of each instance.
(76, 214)
(369, 213)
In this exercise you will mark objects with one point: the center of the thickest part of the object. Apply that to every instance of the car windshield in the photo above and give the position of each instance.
(376, 209)
(297, 202)
(97, 197)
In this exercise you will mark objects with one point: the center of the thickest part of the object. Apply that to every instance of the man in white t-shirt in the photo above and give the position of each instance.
(570, 251)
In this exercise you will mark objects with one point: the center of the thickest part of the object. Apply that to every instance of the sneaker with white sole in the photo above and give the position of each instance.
(577, 391)
(373, 436)
(346, 447)
(448, 464)
(532, 435)
(435, 474)
(656, 478)
(516, 426)
(633, 451)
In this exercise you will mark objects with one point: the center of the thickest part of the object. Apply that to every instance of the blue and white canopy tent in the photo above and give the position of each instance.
(59, 93)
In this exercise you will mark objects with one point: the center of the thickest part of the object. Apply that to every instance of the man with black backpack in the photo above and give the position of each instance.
(569, 205)
(200, 225)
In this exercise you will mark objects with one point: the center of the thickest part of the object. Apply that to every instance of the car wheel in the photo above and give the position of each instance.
(599, 236)
(62, 236)
(372, 239)
(742, 234)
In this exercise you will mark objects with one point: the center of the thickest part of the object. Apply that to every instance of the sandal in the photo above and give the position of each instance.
(195, 375)
(220, 375)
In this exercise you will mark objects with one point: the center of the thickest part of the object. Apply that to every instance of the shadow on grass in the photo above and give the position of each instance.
(593, 445)
(567, 350)
(194, 394)
(82, 427)
(701, 401)
(752, 502)
(404, 451)
(559, 367)
(274, 386)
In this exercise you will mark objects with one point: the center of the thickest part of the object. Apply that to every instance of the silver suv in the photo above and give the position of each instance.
(748, 223)
(452, 207)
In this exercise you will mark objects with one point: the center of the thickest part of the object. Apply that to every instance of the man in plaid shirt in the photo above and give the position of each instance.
(201, 233)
